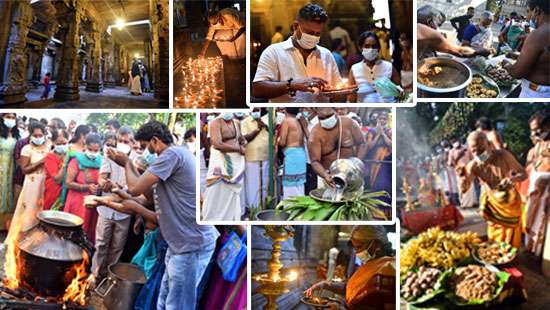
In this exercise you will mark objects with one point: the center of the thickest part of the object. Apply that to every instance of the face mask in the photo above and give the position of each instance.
(456, 145)
(239, 114)
(124, 148)
(482, 157)
(149, 158)
(227, 116)
(91, 155)
(329, 123)
(370, 54)
(308, 41)
(482, 28)
(305, 114)
(38, 141)
(10, 123)
(61, 149)
(210, 118)
(280, 118)
(23, 133)
(255, 115)
(364, 255)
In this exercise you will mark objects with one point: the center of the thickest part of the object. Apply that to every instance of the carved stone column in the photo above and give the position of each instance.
(116, 64)
(14, 85)
(160, 47)
(94, 82)
(67, 82)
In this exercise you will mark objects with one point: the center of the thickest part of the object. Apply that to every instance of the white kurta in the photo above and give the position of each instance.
(282, 61)
(365, 76)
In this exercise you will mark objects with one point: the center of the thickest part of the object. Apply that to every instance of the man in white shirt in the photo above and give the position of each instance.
(227, 29)
(293, 70)
(112, 226)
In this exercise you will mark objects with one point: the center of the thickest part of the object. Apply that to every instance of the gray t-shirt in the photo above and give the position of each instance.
(176, 206)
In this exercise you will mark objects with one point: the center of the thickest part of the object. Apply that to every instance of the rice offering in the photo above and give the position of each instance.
(441, 76)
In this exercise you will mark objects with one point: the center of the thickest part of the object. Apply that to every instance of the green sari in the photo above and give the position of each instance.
(7, 168)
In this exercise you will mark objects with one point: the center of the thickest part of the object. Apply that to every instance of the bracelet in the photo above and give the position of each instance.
(292, 93)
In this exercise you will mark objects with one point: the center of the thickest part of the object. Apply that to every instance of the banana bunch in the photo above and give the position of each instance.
(437, 249)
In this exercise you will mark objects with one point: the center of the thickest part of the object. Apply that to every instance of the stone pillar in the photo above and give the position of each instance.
(94, 82)
(160, 48)
(14, 85)
(116, 64)
(67, 82)
(5, 17)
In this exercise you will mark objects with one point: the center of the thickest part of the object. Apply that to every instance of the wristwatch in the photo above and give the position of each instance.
(292, 93)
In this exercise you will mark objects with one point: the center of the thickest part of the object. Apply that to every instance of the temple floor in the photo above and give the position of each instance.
(116, 97)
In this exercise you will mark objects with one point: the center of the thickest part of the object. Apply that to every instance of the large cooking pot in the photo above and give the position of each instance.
(458, 91)
(120, 289)
(50, 251)
(347, 174)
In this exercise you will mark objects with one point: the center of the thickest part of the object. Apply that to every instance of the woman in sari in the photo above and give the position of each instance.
(32, 163)
(54, 170)
(8, 137)
(379, 149)
(372, 284)
(82, 180)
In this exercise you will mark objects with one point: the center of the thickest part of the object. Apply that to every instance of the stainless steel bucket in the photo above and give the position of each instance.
(121, 287)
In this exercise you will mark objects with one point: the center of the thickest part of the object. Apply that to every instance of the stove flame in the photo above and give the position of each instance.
(11, 272)
(76, 291)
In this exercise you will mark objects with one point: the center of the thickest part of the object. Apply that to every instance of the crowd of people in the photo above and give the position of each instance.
(483, 173)
(296, 69)
(127, 187)
(235, 150)
(523, 38)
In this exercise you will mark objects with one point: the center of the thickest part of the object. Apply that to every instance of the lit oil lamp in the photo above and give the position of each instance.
(273, 283)
(201, 80)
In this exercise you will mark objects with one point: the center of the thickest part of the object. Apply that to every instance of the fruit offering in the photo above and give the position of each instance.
(417, 284)
(437, 249)
(496, 252)
(473, 282)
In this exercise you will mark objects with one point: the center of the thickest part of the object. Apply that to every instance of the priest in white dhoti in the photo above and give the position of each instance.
(254, 129)
(537, 223)
(224, 180)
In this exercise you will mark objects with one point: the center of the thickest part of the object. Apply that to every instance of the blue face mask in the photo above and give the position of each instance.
(91, 155)
(239, 114)
(10, 123)
(61, 149)
(305, 114)
(38, 141)
(227, 116)
(255, 115)
(329, 123)
(149, 158)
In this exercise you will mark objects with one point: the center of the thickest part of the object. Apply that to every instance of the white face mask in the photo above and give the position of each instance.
(370, 54)
(329, 123)
(124, 148)
(280, 118)
(308, 41)
(38, 141)
(91, 155)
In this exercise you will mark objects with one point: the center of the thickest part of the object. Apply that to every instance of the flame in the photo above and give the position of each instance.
(292, 275)
(76, 291)
(11, 279)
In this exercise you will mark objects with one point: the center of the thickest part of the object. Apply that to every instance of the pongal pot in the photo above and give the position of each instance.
(347, 174)
(121, 287)
(51, 251)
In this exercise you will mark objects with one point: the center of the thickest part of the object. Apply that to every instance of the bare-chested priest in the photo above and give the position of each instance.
(334, 137)
(537, 222)
(224, 180)
(291, 140)
(500, 202)
(534, 60)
